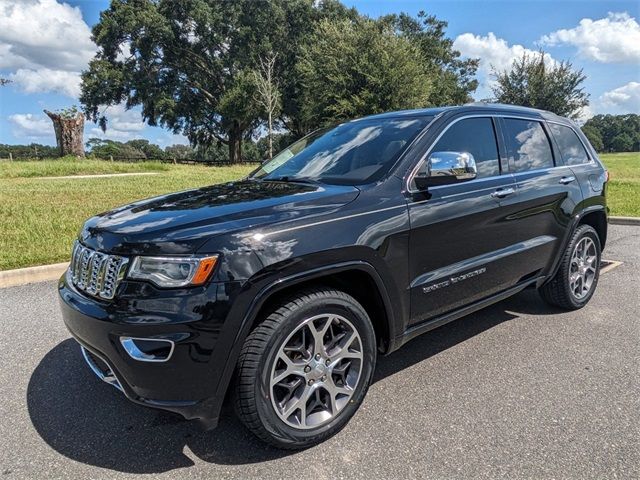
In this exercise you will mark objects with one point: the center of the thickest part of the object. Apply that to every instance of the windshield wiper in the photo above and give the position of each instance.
(288, 179)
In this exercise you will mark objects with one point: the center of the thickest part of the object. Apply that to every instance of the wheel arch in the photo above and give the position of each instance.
(598, 220)
(596, 217)
(358, 279)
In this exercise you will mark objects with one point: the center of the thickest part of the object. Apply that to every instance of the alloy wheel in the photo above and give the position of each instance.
(582, 271)
(316, 371)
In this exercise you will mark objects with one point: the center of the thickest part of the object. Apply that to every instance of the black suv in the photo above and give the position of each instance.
(279, 290)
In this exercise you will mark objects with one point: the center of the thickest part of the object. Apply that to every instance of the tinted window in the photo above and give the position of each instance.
(351, 153)
(529, 144)
(571, 148)
(477, 137)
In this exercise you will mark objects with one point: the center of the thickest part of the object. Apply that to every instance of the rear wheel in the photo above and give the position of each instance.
(304, 371)
(577, 277)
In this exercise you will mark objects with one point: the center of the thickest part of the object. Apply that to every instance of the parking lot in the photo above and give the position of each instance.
(518, 390)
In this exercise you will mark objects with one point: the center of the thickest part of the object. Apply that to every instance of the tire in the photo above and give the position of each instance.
(331, 388)
(562, 291)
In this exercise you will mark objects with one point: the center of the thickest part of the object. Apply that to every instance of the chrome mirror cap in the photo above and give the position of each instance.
(443, 168)
(460, 165)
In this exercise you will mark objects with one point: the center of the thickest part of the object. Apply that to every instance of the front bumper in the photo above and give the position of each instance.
(192, 319)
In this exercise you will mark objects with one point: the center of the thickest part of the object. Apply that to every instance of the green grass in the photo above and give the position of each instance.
(624, 185)
(39, 218)
(72, 166)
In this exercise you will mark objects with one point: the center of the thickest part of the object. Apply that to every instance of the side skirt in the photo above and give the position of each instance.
(430, 324)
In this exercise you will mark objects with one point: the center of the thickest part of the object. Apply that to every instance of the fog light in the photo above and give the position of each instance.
(148, 349)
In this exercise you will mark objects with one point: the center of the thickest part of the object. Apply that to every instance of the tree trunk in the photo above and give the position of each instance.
(235, 144)
(270, 136)
(69, 133)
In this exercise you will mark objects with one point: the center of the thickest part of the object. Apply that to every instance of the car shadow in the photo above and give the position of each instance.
(92, 423)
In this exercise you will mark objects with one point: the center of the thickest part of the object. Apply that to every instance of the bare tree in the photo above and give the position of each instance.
(268, 92)
(4, 81)
(69, 127)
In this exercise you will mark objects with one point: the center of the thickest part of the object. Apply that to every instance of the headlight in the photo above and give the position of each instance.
(172, 272)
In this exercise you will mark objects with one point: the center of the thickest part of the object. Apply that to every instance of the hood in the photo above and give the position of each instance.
(181, 222)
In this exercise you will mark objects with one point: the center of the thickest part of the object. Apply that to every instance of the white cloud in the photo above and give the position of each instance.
(625, 99)
(494, 53)
(122, 124)
(614, 39)
(47, 80)
(27, 125)
(171, 138)
(45, 44)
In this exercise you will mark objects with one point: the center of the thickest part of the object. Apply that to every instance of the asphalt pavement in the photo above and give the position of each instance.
(518, 390)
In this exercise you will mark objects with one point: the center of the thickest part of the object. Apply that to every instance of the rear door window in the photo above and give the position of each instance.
(528, 143)
(571, 148)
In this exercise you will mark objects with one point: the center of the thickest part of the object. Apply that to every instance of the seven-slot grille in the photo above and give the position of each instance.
(96, 273)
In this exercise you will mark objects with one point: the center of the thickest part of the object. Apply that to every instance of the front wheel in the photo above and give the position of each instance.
(304, 371)
(577, 277)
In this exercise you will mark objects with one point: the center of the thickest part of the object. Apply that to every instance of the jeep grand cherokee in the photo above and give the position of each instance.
(282, 288)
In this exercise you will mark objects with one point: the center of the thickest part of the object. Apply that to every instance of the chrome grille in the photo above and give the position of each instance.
(96, 273)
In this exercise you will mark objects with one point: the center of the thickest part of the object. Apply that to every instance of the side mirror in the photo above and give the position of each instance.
(442, 168)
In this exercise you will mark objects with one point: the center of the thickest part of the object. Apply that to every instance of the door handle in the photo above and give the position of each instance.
(567, 180)
(503, 192)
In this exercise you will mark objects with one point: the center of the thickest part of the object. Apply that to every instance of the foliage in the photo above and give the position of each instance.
(351, 69)
(533, 83)
(194, 66)
(594, 137)
(179, 152)
(614, 133)
(198, 59)
(4, 81)
(68, 113)
(453, 78)
(33, 150)
(268, 93)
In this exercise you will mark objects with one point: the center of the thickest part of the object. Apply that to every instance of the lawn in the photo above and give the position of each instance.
(39, 217)
(624, 183)
(73, 166)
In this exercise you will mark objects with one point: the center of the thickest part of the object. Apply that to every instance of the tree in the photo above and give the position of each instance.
(178, 152)
(189, 65)
(69, 128)
(610, 127)
(4, 81)
(552, 86)
(594, 137)
(111, 149)
(355, 68)
(453, 78)
(151, 151)
(622, 143)
(268, 93)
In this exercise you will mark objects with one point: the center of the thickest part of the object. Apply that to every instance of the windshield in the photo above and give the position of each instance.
(351, 153)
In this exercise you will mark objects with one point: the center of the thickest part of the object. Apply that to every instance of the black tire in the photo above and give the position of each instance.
(558, 291)
(252, 392)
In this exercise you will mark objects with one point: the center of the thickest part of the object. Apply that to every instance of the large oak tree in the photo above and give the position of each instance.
(190, 65)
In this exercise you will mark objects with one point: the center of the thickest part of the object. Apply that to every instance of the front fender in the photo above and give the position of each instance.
(263, 286)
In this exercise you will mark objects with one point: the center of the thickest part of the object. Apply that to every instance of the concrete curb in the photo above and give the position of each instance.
(624, 220)
(22, 276)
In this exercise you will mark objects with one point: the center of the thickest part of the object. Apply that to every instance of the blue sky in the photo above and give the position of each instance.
(44, 44)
